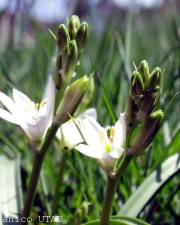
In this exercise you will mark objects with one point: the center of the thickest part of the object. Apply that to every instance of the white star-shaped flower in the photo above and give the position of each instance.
(69, 135)
(87, 136)
(32, 117)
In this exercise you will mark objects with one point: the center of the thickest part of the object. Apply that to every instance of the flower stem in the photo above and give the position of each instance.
(59, 181)
(111, 189)
(29, 198)
(108, 200)
(37, 165)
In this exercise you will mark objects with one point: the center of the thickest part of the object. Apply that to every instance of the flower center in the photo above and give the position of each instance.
(40, 105)
(108, 148)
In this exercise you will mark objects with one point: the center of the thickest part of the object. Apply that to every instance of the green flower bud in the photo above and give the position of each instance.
(89, 93)
(72, 59)
(58, 76)
(82, 35)
(72, 98)
(85, 209)
(59, 61)
(143, 69)
(78, 216)
(145, 133)
(137, 84)
(73, 26)
(63, 37)
(148, 103)
(155, 77)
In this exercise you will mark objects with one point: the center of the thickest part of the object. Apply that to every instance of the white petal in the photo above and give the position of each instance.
(37, 130)
(8, 116)
(50, 98)
(107, 163)
(7, 102)
(117, 152)
(69, 135)
(91, 152)
(91, 131)
(95, 124)
(90, 113)
(120, 131)
(21, 100)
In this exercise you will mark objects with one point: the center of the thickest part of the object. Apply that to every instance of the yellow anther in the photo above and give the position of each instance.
(111, 134)
(42, 103)
(37, 106)
(101, 137)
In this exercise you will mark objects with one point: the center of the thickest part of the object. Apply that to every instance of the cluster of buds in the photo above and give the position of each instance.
(71, 40)
(143, 120)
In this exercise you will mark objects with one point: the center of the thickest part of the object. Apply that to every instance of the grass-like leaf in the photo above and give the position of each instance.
(152, 184)
(10, 183)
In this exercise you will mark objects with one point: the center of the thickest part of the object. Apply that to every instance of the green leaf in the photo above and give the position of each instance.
(131, 220)
(108, 103)
(152, 184)
(120, 220)
(10, 183)
(112, 222)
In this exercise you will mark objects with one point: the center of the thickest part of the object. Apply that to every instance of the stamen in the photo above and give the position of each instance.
(36, 106)
(101, 137)
(42, 103)
(111, 134)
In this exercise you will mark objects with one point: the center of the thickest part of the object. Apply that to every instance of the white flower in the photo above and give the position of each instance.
(105, 145)
(68, 133)
(33, 118)
(87, 136)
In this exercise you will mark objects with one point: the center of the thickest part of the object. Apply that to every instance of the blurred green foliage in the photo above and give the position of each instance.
(25, 64)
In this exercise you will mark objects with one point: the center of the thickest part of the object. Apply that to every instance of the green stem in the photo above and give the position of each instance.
(59, 181)
(29, 198)
(108, 200)
(37, 165)
(110, 191)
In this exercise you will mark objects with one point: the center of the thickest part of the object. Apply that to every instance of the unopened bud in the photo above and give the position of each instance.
(72, 98)
(63, 37)
(146, 133)
(82, 35)
(143, 69)
(137, 84)
(89, 93)
(78, 216)
(155, 77)
(85, 209)
(73, 26)
(131, 110)
(72, 58)
(148, 103)
(59, 62)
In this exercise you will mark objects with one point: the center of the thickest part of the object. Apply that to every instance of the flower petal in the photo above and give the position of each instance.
(90, 113)
(50, 99)
(117, 152)
(37, 130)
(8, 116)
(7, 102)
(107, 163)
(91, 152)
(91, 131)
(21, 100)
(69, 135)
(120, 131)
